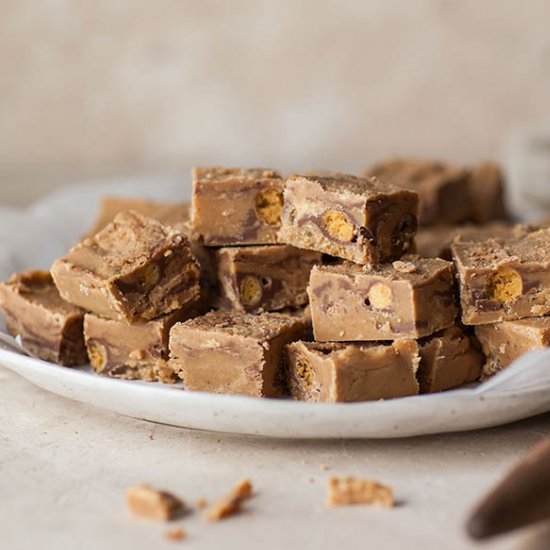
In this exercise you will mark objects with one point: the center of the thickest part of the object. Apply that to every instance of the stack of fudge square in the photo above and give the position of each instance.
(306, 285)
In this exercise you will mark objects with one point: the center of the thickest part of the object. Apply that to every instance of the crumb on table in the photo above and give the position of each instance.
(176, 534)
(344, 491)
(230, 504)
(146, 502)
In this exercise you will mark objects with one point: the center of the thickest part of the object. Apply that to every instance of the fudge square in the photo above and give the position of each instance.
(410, 298)
(230, 352)
(135, 269)
(448, 360)
(232, 206)
(134, 352)
(504, 279)
(49, 327)
(443, 189)
(358, 219)
(264, 278)
(503, 343)
(345, 372)
(486, 188)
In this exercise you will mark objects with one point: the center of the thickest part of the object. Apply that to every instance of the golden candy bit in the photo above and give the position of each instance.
(250, 290)
(269, 206)
(97, 355)
(380, 296)
(304, 372)
(505, 285)
(338, 226)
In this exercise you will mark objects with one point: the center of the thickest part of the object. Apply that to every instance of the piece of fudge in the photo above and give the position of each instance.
(504, 279)
(230, 352)
(448, 360)
(343, 372)
(164, 212)
(486, 188)
(136, 269)
(363, 220)
(503, 343)
(49, 327)
(264, 278)
(408, 299)
(234, 206)
(443, 189)
(134, 352)
(435, 242)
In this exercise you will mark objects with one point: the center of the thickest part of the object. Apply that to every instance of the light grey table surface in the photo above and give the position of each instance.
(64, 468)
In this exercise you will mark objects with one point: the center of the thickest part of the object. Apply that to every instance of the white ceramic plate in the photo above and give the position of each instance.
(33, 238)
(458, 410)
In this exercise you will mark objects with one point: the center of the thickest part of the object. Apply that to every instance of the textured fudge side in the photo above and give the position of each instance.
(136, 269)
(504, 279)
(411, 298)
(164, 212)
(264, 278)
(448, 360)
(486, 188)
(503, 343)
(338, 372)
(50, 328)
(134, 352)
(236, 206)
(362, 220)
(435, 242)
(443, 189)
(237, 353)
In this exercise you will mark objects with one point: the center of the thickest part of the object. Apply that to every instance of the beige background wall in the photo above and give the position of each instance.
(93, 87)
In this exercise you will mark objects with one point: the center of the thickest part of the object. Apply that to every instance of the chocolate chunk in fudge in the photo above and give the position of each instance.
(236, 206)
(503, 343)
(136, 269)
(236, 353)
(363, 220)
(264, 278)
(49, 327)
(346, 372)
(409, 299)
(448, 360)
(504, 279)
(443, 189)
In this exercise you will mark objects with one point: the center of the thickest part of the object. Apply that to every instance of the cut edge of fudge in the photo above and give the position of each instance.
(57, 335)
(359, 219)
(135, 269)
(352, 372)
(234, 352)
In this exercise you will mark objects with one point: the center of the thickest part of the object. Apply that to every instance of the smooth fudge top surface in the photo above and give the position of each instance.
(258, 327)
(535, 323)
(219, 173)
(413, 268)
(531, 248)
(127, 243)
(37, 287)
(348, 184)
